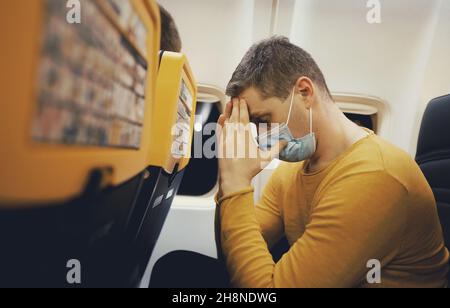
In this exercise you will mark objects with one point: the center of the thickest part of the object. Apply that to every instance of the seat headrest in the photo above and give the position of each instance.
(434, 136)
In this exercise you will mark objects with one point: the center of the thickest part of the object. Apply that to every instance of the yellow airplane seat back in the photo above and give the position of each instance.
(78, 85)
(76, 96)
(174, 113)
(171, 138)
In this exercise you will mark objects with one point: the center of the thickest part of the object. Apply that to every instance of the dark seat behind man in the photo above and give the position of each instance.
(433, 156)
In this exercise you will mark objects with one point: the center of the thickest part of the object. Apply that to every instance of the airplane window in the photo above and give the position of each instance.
(366, 121)
(201, 174)
(367, 111)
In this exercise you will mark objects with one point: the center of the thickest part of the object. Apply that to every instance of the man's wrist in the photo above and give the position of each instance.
(231, 186)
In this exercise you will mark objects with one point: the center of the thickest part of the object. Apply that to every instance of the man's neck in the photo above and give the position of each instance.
(335, 134)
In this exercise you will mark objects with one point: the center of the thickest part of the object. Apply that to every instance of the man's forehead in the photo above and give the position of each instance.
(254, 101)
(251, 93)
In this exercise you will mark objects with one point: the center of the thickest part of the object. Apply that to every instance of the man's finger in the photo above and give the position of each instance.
(222, 120)
(228, 109)
(243, 112)
(235, 112)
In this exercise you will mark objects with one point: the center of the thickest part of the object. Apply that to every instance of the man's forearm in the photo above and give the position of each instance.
(248, 258)
(232, 184)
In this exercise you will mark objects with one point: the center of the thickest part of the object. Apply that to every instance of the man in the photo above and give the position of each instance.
(344, 199)
(170, 37)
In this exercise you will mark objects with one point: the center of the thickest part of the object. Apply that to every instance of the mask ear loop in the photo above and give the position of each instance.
(290, 108)
(289, 115)
(311, 128)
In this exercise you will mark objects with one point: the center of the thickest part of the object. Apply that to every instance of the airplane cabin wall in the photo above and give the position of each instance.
(387, 60)
(436, 78)
(215, 35)
(403, 60)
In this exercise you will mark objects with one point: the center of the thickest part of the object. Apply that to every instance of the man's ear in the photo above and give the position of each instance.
(305, 87)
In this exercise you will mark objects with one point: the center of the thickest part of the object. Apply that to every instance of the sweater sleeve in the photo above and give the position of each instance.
(359, 218)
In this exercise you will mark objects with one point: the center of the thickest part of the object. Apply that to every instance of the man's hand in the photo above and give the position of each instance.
(240, 158)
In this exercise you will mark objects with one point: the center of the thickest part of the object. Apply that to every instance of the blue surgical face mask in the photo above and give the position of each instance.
(297, 149)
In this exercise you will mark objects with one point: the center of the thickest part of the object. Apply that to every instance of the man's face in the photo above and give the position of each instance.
(273, 111)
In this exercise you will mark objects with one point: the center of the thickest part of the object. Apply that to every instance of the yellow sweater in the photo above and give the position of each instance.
(372, 202)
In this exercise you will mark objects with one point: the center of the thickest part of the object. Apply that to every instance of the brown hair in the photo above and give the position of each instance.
(273, 66)
(170, 37)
